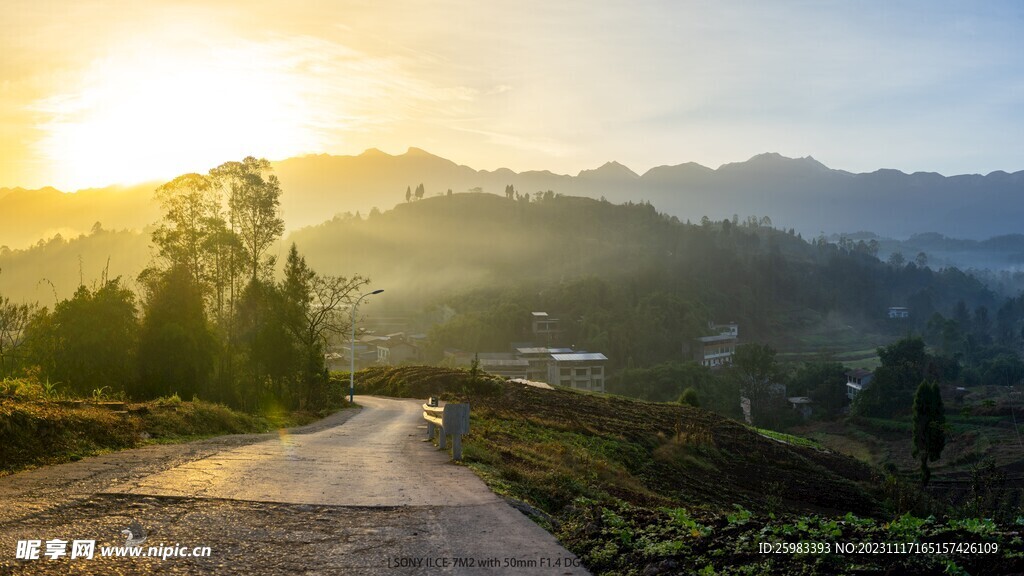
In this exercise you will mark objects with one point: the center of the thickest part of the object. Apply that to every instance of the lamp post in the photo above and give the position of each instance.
(352, 349)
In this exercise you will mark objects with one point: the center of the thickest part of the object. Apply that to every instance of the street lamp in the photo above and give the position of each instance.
(352, 349)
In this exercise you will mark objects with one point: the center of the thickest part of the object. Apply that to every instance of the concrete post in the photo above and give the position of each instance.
(457, 447)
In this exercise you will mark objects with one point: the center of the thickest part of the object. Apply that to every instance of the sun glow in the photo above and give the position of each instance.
(150, 111)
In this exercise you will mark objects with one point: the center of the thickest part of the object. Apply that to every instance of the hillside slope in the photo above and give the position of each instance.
(577, 444)
(442, 248)
(640, 488)
(587, 259)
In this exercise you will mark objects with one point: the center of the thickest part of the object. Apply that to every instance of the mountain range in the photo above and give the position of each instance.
(799, 193)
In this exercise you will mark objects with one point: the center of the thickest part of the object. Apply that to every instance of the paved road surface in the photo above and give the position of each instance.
(365, 497)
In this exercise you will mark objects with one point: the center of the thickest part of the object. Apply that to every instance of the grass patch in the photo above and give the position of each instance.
(858, 354)
(38, 428)
(869, 363)
(34, 433)
(844, 444)
(421, 382)
(887, 426)
(789, 438)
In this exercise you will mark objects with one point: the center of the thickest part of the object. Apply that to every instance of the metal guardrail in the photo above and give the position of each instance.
(449, 420)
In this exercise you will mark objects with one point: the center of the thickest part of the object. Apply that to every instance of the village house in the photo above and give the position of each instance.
(718, 350)
(544, 327)
(335, 362)
(397, 349)
(365, 352)
(538, 359)
(857, 380)
(510, 368)
(504, 364)
(529, 362)
(898, 313)
(580, 370)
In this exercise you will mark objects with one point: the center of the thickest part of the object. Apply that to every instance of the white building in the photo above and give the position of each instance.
(715, 351)
(898, 313)
(857, 380)
(511, 368)
(538, 358)
(580, 370)
(395, 351)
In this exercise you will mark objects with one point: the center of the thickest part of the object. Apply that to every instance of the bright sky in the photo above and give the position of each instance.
(97, 92)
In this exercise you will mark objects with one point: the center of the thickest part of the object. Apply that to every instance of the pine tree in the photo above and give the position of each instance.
(929, 427)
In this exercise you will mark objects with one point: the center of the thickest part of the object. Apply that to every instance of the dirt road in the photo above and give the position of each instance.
(358, 493)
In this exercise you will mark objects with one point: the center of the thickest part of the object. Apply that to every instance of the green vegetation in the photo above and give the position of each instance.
(659, 451)
(210, 320)
(35, 432)
(659, 488)
(892, 387)
(626, 280)
(929, 427)
(789, 438)
(217, 317)
(689, 397)
(420, 382)
(666, 382)
(40, 426)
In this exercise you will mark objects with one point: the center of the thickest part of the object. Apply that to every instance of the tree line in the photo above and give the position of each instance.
(208, 318)
(639, 286)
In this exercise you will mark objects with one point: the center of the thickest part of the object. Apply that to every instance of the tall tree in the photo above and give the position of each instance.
(824, 382)
(190, 208)
(253, 210)
(253, 199)
(982, 325)
(193, 235)
(270, 358)
(904, 363)
(757, 373)
(176, 344)
(929, 427)
(315, 310)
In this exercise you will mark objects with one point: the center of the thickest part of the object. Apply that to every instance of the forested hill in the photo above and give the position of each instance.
(587, 256)
(571, 254)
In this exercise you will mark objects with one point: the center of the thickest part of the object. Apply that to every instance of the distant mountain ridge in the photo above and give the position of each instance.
(799, 193)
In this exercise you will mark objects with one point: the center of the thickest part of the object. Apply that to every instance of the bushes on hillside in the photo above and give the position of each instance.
(420, 382)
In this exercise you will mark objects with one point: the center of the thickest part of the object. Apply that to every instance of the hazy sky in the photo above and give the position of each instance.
(93, 93)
